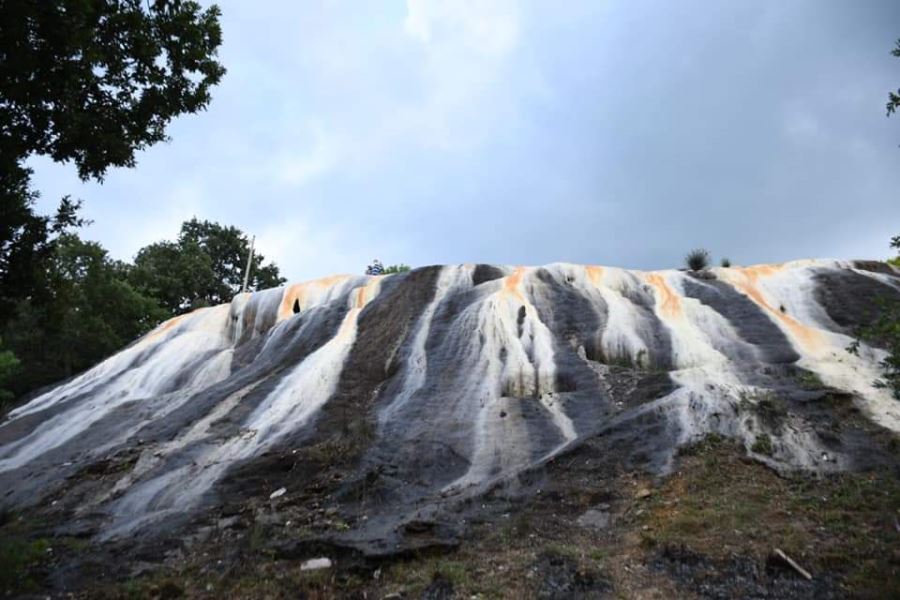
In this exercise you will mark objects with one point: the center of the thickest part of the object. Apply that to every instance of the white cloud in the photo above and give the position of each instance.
(487, 27)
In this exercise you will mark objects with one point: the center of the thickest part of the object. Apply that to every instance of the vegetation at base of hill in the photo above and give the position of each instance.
(719, 504)
(92, 83)
(9, 366)
(710, 527)
(697, 260)
(84, 306)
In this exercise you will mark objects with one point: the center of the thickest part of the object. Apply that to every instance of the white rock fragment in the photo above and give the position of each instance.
(595, 518)
(277, 493)
(316, 563)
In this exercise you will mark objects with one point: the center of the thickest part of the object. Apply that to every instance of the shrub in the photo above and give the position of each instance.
(401, 268)
(725, 263)
(9, 366)
(697, 260)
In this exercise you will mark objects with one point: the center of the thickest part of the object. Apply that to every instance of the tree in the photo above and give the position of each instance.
(9, 366)
(27, 245)
(94, 82)
(90, 312)
(885, 331)
(204, 267)
(893, 102)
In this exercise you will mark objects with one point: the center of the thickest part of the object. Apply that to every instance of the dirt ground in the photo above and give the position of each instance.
(585, 529)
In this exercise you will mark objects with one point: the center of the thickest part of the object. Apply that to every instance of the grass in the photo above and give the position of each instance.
(18, 557)
(718, 503)
(763, 445)
(770, 408)
(809, 380)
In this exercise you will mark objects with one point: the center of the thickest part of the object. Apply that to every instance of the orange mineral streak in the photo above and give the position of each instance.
(512, 283)
(161, 329)
(300, 291)
(595, 274)
(361, 297)
(809, 337)
(757, 271)
(668, 300)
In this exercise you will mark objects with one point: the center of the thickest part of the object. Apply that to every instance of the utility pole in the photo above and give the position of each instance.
(249, 262)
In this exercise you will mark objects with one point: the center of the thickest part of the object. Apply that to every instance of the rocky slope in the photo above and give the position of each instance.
(401, 401)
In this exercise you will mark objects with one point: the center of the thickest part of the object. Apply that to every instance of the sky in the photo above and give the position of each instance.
(620, 133)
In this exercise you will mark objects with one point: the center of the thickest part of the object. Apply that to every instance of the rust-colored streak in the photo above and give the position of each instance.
(756, 271)
(512, 283)
(669, 302)
(161, 329)
(595, 274)
(292, 293)
(300, 291)
(807, 336)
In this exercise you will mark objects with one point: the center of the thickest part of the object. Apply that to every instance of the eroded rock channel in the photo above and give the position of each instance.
(375, 417)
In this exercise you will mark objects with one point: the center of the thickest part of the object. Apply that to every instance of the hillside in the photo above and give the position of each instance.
(453, 429)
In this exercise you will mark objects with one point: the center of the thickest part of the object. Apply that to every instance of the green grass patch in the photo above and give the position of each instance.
(719, 503)
(763, 445)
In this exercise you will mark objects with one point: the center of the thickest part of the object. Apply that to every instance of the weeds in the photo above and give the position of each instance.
(697, 260)
(718, 504)
(763, 445)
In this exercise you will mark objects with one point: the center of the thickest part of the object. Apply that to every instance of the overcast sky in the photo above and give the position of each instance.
(620, 133)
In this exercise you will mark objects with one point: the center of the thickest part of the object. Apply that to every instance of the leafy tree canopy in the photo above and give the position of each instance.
(27, 246)
(90, 312)
(9, 366)
(94, 81)
(205, 266)
(893, 102)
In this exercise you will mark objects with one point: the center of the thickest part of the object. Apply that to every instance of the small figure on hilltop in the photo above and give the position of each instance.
(376, 268)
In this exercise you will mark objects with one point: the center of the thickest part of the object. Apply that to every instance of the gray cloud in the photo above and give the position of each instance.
(622, 133)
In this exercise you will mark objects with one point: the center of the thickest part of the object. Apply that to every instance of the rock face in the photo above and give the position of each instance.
(436, 386)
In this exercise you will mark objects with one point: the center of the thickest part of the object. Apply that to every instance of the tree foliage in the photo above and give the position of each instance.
(85, 306)
(9, 366)
(92, 82)
(203, 267)
(95, 81)
(893, 102)
(89, 310)
(27, 246)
